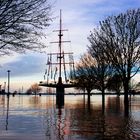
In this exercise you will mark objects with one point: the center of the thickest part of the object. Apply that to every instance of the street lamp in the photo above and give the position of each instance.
(8, 82)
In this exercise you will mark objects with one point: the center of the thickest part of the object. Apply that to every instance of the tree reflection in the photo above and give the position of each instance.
(91, 123)
(35, 101)
(114, 105)
(87, 122)
(118, 126)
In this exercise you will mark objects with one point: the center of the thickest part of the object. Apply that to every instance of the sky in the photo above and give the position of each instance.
(79, 17)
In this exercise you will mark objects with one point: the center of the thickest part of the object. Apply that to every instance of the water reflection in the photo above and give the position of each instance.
(114, 105)
(36, 117)
(7, 112)
(55, 124)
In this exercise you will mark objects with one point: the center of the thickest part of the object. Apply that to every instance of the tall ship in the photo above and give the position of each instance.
(60, 70)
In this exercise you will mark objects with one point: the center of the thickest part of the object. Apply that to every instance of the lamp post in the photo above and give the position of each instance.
(8, 82)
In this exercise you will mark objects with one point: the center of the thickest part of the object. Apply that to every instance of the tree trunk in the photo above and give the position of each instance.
(84, 96)
(103, 100)
(126, 101)
(88, 99)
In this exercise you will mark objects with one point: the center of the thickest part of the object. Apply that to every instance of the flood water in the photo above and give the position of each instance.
(37, 118)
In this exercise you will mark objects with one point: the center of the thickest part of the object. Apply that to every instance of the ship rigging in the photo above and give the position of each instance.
(60, 65)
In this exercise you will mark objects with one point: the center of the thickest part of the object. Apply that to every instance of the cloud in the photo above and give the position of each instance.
(93, 10)
(79, 17)
(7, 59)
(24, 65)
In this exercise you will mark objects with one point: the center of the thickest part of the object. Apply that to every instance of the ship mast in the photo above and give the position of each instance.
(60, 54)
(60, 45)
(61, 63)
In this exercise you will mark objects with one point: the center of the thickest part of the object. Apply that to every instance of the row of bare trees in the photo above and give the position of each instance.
(114, 50)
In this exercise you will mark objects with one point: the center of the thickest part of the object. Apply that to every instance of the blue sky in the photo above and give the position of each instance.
(79, 17)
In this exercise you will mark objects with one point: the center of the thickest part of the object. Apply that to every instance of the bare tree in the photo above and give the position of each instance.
(119, 37)
(115, 83)
(85, 75)
(34, 89)
(102, 68)
(22, 23)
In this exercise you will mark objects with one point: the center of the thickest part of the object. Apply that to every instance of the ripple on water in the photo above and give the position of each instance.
(38, 118)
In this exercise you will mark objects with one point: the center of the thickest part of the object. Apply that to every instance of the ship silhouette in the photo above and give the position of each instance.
(59, 74)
